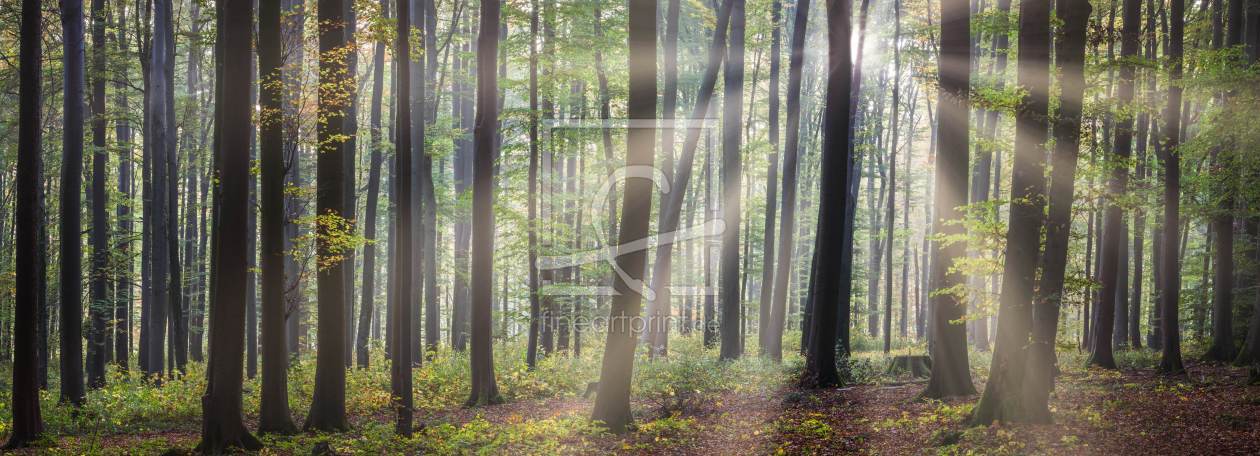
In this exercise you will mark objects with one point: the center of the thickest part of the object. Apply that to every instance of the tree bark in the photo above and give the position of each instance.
(951, 374)
(368, 304)
(791, 154)
(612, 404)
(400, 316)
(222, 416)
(273, 416)
(830, 311)
(732, 116)
(71, 252)
(1170, 292)
(328, 409)
(484, 389)
(28, 424)
(1001, 399)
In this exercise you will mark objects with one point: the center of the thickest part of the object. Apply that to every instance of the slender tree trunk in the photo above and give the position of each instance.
(767, 238)
(951, 374)
(273, 412)
(659, 306)
(366, 308)
(612, 403)
(791, 154)
(531, 354)
(732, 115)
(28, 424)
(71, 253)
(351, 131)
(1170, 293)
(98, 294)
(222, 415)
(1048, 298)
(1114, 229)
(484, 389)
(400, 316)
(830, 311)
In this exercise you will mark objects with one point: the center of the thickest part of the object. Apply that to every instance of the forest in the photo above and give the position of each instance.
(337, 227)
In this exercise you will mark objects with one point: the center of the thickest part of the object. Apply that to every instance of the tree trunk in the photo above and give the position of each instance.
(349, 187)
(368, 304)
(1113, 228)
(1001, 399)
(612, 404)
(71, 253)
(400, 315)
(28, 424)
(98, 295)
(951, 374)
(531, 354)
(1170, 292)
(273, 412)
(830, 311)
(791, 153)
(1048, 299)
(222, 415)
(732, 116)
(767, 238)
(484, 389)
(328, 409)
(662, 271)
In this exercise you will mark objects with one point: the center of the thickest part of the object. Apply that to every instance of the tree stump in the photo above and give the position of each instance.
(917, 366)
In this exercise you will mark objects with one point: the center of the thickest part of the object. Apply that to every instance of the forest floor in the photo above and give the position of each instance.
(744, 409)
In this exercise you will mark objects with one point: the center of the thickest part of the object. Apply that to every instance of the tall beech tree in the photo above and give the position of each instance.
(375, 142)
(273, 412)
(223, 423)
(731, 171)
(951, 373)
(1048, 298)
(1170, 277)
(484, 389)
(1007, 376)
(612, 402)
(791, 156)
(671, 208)
(531, 350)
(71, 252)
(830, 308)
(28, 424)
(99, 300)
(1118, 185)
(328, 409)
(400, 242)
(767, 257)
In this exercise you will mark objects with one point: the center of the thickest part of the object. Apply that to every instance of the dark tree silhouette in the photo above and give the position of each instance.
(659, 307)
(671, 208)
(1070, 56)
(328, 405)
(732, 119)
(368, 305)
(767, 257)
(531, 353)
(791, 153)
(830, 308)
(1002, 393)
(484, 389)
(1170, 283)
(99, 300)
(400, 314)
(223, 424)
(27, 424)
(612, 403)
(1113, 225)
(951, 373)
(71, 182)
(273, 412)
